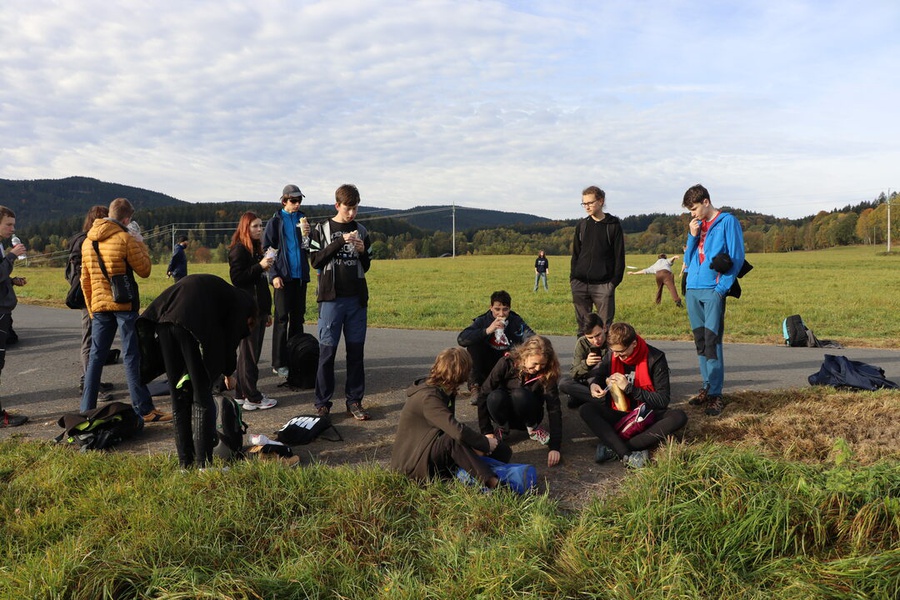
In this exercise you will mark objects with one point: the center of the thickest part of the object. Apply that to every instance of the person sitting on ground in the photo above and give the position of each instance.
(664, 277)
(641, 373)
(518, 390)
(195, 327)
(430, 442)
(491, 336)
(590, 349)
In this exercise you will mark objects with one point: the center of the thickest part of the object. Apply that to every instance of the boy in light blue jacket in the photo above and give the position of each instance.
(712, 234)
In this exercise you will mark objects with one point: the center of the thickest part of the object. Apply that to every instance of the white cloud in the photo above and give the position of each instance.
(507, 105)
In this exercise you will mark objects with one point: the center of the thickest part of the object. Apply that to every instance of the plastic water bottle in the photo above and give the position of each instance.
(304, 239)
(15, 241)
(134, 228)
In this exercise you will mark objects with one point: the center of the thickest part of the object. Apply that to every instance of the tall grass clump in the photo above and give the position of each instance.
(717, 522)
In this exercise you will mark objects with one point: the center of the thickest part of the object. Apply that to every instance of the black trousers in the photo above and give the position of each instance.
(601, 418)
(447, 453)
(578, 391)
(517, 409)
(5, 327)
(484, 358)
(290, 313)
(193, 408)
(247, 374)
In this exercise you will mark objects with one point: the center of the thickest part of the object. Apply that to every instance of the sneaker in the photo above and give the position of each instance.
(104, 386)
(358, 412)
(715, 406)
(637, 460)
(540, 435)
(700, 398)
(281, 372)
(8, 420)
(104, 396)
(157, 416)
(263, 404)
(604, 454)
(323, 411)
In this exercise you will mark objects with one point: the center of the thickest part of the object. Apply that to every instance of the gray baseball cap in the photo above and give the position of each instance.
(292, 191)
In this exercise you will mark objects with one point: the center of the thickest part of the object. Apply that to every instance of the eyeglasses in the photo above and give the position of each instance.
(587, 204)
(624, 352)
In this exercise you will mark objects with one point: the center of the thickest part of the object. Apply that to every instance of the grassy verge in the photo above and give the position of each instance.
(707, 521)
(847, 294)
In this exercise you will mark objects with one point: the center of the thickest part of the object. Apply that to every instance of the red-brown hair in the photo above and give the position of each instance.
(242, 234)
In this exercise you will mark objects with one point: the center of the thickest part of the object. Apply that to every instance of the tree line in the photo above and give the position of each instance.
(209, 229)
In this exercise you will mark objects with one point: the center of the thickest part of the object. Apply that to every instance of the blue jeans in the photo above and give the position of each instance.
(706, 311)
(342, 314)
(537, 278)
(103, 331)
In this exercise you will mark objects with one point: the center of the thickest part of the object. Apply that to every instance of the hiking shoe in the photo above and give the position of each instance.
(604, 454)
(157, 416)
(281, 372)
(540, 435)
(263, 404)
(8, 420)
(637, 460)
(715, 406)
(323, 411)
(358, 412)
(104, 396)
(700, 398)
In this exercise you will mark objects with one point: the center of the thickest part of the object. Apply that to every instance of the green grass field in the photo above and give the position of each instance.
(851, 295)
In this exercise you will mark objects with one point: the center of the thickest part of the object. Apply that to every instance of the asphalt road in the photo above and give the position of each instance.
(42, 372)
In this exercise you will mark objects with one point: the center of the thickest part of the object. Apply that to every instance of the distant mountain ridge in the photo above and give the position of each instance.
(58, 199)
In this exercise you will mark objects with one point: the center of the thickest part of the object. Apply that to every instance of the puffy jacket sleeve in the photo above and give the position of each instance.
(138, 256)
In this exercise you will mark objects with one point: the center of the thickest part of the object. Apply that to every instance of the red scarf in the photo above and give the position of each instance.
(704, 228)
(638, 360)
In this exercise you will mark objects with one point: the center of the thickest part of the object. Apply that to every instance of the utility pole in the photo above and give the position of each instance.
(454, 228)
(889, 221)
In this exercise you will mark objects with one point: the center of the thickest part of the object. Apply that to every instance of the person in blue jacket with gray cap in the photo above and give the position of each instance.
(287, 234)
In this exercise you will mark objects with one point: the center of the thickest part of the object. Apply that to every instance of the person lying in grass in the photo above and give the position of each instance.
(430, 442)
(520, 387)
(632, 373)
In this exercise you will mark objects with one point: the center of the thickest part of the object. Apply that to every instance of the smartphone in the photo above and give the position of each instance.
(596, 350)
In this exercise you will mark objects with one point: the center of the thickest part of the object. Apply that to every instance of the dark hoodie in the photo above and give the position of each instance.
(598, 251)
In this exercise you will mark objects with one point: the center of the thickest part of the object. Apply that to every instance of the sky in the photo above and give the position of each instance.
(782, 107)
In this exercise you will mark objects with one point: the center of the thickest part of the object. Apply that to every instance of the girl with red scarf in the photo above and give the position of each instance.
(641, 373)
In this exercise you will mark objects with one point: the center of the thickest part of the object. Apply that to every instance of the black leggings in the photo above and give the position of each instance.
(195, 412)
(517, 408)
(601, 418)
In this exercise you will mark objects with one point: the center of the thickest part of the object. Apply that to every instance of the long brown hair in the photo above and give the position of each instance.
(242, 234)
(95, 212)
(540, 346)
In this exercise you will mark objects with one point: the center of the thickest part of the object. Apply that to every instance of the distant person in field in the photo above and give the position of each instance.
(664, 277)
(8, 300)
(177, 268)
(712, 233)
(119, 250)
(491, 336)
(640, 374)
(518, 391)
(288, 232)
(598, 260)
(590, 349)
(247, 268)
(195, 327)
(73, 274)
(541, 270)
(430, 442)
(341, 251)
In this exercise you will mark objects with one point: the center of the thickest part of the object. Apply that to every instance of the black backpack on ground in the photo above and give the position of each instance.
(230, 427)
(797, 334)
(303, 429)
(303, 361)
(100, 428)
